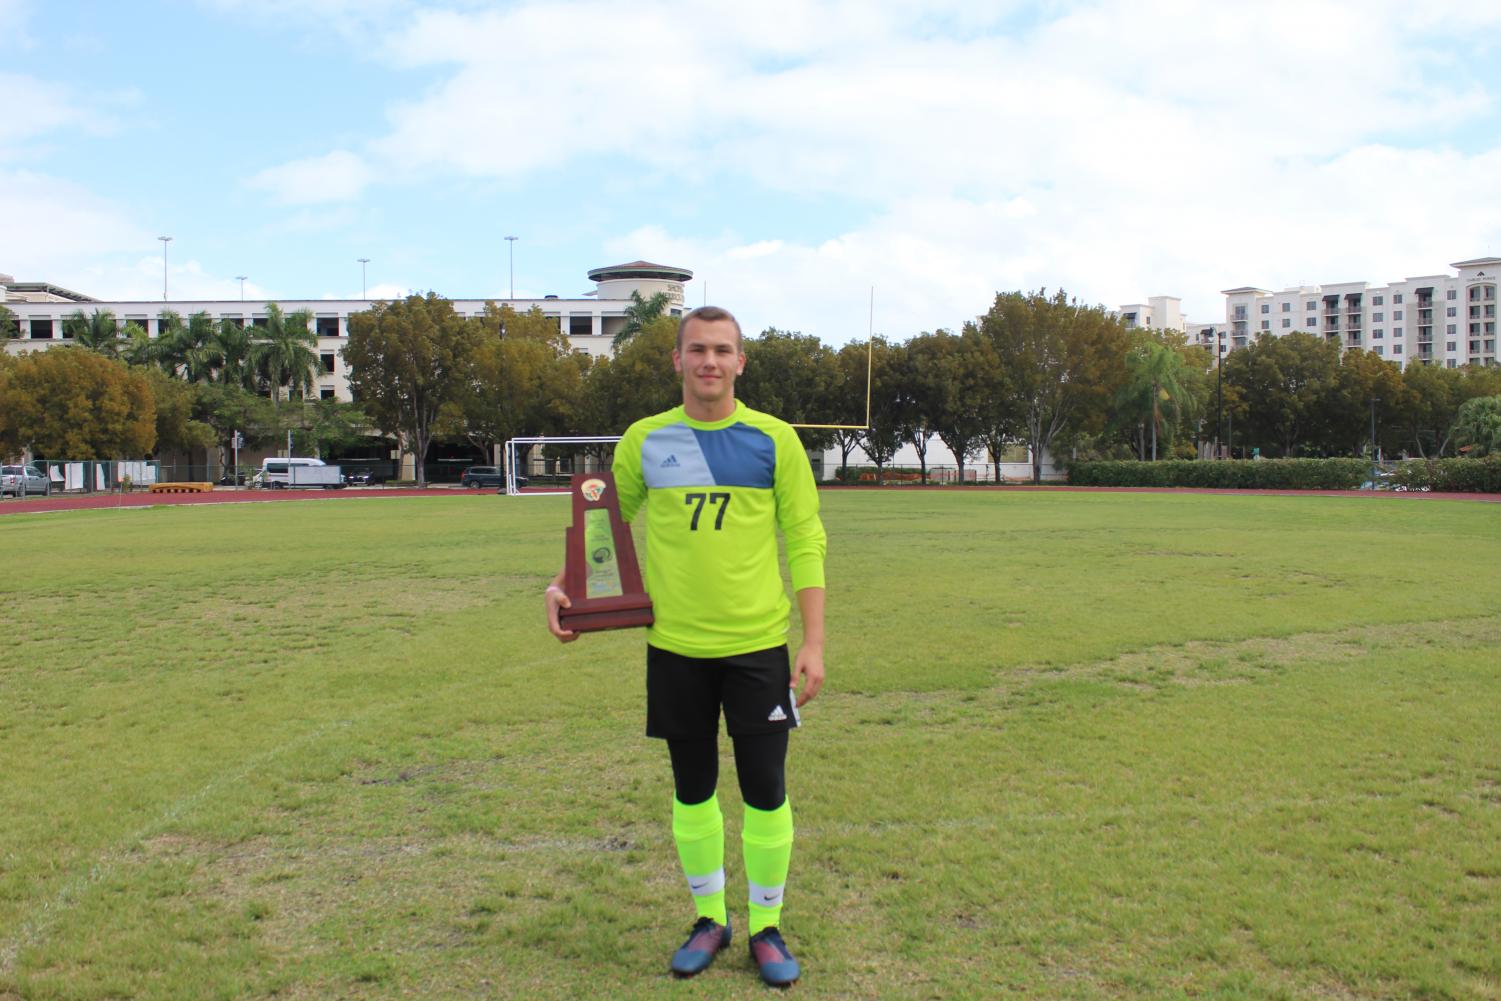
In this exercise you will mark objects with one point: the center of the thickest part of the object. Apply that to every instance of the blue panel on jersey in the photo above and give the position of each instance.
(739, 456)
(671, 457)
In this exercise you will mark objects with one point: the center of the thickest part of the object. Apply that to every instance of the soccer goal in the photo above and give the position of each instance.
(550, 462)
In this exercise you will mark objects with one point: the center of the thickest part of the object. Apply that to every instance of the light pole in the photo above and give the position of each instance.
(363, 261)
(511, 240)
(165, 240)
(242, 286)
(1219, 387)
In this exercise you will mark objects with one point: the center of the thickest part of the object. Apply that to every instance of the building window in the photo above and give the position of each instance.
(1312, 304)
(327, 358)
(1378, 317)
(1266, 307)
(1376, 334)
(328, 326)
(1451, 363)
(1474, 291)
(1286, 323)
(1313, 321)
(1474, 347)
(1379, 349)
(1287, 307)
(1452, 294)
(1453, 310)
(326, 393)
(1396, 349)
(1450, 330)
(1378, 300)
(1397, 315)
(1266, 324)
(1474, 328)
(1396, 332)
(1451, 346)
(1397, 299)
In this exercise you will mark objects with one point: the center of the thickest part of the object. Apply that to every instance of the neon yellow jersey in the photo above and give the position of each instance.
(715, 496)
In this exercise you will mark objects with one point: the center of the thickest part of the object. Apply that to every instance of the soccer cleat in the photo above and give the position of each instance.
(770, 954)
(704, 942)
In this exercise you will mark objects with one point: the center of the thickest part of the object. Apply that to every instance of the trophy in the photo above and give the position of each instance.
(600, 572)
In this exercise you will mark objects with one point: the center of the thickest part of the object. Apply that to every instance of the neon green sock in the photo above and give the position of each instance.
(767, 843)
(699, 833)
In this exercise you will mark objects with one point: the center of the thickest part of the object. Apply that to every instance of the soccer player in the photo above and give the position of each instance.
(718, 480)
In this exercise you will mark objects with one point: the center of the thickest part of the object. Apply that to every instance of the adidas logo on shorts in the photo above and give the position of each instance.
(776, 715)
(671, 462)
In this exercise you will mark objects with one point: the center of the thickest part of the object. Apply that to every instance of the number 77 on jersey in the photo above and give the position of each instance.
(600, 573)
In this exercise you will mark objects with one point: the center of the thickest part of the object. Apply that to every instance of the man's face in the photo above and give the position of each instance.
(708, 359)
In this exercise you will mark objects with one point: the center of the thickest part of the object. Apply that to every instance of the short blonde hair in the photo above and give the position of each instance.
(710, 314)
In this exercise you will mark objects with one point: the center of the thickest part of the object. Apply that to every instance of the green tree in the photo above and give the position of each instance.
(284, 352)
(70, 403)
(9, 325)
(1363, 377)
(233, 351)
(527, 381)
(947, 374)
(640, 379)
(1283, 381)
(640, 314)
(324, 427)
(137, 347)
(407, 359)
(177, 427)
(1062, 363)
(789, 375)
(1478, 429)
(230, 408)
(98, 332)
(1154, 387)
(850, 397)
(891, 414)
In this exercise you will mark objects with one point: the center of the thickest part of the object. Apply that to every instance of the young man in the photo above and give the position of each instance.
(719, 480)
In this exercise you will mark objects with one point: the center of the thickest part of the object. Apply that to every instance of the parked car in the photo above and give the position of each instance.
(16, 480)
(482, 476)
(364, 477)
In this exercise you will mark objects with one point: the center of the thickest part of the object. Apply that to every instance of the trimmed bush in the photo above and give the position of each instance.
(1236, 474)
(1450, 475)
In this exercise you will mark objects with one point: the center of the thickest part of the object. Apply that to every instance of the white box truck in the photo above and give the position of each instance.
(280, 474)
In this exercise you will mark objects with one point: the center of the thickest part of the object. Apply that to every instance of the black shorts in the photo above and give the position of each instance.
(684, 694)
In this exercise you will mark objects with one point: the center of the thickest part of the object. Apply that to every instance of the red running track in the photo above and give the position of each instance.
(89, 502)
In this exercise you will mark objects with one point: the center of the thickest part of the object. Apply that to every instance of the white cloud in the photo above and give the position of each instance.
(333, 177)
(36, 107)
(1121, 148)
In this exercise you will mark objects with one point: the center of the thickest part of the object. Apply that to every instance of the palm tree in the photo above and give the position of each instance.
(284, 352)
(98, 333)
(638, 314)
(1156, 373)
(232, 346)
(139, 348)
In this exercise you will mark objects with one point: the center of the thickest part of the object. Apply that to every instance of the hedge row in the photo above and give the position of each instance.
(1238, 474)
(1459, 475)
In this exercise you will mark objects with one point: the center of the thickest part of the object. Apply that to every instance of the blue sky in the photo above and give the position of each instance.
(792, 155)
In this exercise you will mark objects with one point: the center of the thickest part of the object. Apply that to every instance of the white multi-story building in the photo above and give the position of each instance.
(590, 323)
(1159, 312)
(1447, 320)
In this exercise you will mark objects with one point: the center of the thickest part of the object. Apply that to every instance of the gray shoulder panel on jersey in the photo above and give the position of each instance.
(671, 457)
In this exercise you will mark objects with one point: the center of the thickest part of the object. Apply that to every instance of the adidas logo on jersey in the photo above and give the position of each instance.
(671, 462)
(776, 715)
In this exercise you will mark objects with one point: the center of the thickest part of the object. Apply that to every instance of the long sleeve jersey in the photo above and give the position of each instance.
(716, 494)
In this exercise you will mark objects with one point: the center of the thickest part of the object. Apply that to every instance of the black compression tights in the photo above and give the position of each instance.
(760, 764)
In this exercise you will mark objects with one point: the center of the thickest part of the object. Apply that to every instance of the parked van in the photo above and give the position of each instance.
(279, 474)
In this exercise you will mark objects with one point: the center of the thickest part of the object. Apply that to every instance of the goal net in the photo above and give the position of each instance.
(543, 466)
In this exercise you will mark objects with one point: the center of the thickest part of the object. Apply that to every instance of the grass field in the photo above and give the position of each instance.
(1072, 746)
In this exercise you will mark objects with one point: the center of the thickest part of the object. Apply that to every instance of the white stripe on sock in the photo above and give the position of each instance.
(766, 896)
(703, 886)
